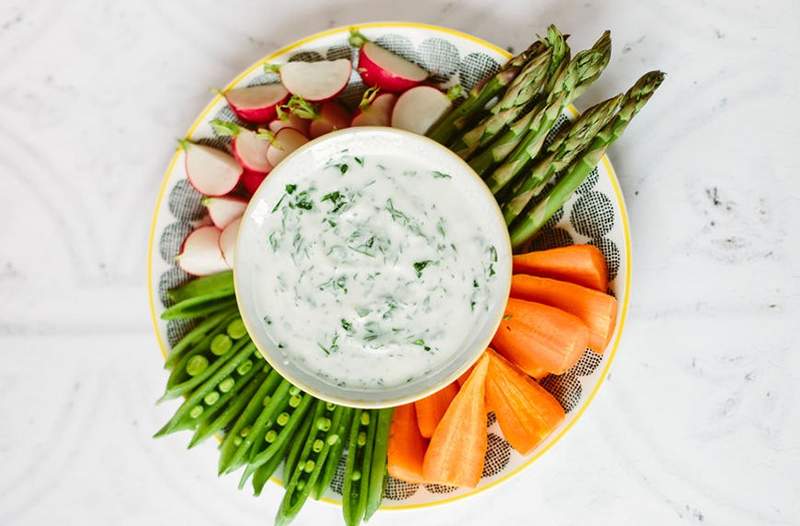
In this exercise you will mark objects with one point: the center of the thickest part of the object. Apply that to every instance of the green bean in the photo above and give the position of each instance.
(335, 453)
(230, 404)
(194, 337)
(182, 419)
(283, 434)
(306, 470)
(198, 306)
(377, 472)
(181, 381)
(220, 283)
(356, 473)
(298, 442)
(229, 447)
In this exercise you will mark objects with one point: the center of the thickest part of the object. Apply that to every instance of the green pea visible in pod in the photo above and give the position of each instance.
(221, 344)
(236, 329)
(196, 365)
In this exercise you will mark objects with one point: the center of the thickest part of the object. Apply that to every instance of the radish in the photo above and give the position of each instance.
(256, 104)
(227, 241)
(249, 148)
(316, 81)
(252, 180)
(418, 108)
(287, 119)
(224, 210)
(383, 69)
(200, 254)
(374, 109)
(211, 171)
(327, 117)
(283, 143)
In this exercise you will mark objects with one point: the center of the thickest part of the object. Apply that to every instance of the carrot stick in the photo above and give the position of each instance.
(580, 264)
(536, 336)
(431, 409)
(406, 445)
(597, 309)
(525, 411)
(458, 447)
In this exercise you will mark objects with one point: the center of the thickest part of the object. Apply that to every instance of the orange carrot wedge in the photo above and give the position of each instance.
(580, 264)
(458, 446)
(525, 411)
(430, 409)
(536, 336)
(597, 309)
(406, 446)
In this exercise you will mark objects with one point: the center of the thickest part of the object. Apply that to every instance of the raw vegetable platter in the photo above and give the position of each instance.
(593, 215)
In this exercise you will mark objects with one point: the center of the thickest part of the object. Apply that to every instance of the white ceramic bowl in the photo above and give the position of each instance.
(250, 250)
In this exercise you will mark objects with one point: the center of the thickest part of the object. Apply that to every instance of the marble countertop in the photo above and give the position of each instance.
(698, 421)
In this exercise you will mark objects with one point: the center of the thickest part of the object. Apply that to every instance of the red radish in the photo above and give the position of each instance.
(200, 254)
(256, 104)
(249, 148)
(418, 108)
(252, 180)
(381, 68)
(316, 81)
(375, 110)
(227, 241)
(224, 210)
(284, 142)
(327, 117)
(211, 171)
(287, 119)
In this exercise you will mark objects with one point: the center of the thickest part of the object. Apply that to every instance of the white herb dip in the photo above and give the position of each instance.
(371, 269)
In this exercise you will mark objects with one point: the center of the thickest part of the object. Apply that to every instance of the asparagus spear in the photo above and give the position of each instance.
(564, 149)
(526, 87)
(479, 96)
(635, 98)
(571, 83)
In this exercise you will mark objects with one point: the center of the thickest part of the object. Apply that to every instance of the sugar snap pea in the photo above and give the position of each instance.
(359, 460)
(220, 283)
(192, 408)
(298, 441)
(177, 361)
(335, 453)
(195, 336)
(265, 471)
(198, 306)
(377, 471)
(229, 444)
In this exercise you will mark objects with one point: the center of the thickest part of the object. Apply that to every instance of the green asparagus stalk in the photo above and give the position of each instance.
(634, 100)
(479, 96)
(566, 146)
(571, 83)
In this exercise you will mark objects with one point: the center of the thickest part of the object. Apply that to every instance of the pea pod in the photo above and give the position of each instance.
(188, 411)
(283, 430)
(220, 283)
(231, 404)
(307, 469)
(359, 460)
(194, 336)
(198, 306)
(265, 471)
(335, 453)
(298, 441)
(177, 362)
(377, 472)
(185, 379)
(233, 438)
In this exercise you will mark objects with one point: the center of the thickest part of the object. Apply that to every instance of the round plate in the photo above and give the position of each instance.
(595, 214)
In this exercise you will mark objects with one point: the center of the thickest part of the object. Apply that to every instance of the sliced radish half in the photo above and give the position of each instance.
(256, 104)
(252, 180)
(383, 69)
(249, 148)
(332, 116)
(227, 241)
(375, 112)
(285, 142)
(287, 119)
(211, 171)
(201, 255)
(316, 81)
(418, 108)
(224, 210)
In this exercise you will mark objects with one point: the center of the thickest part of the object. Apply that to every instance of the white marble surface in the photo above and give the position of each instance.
(699, 420)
